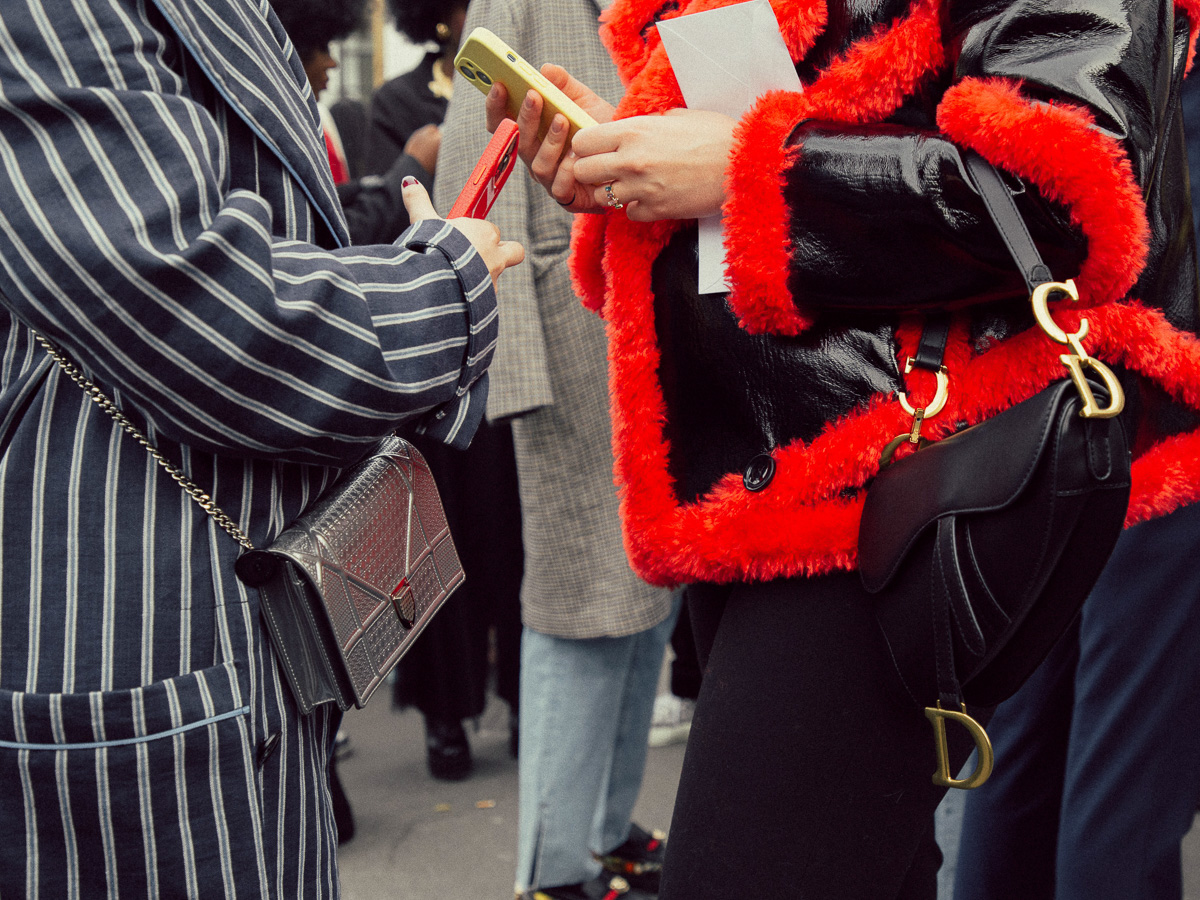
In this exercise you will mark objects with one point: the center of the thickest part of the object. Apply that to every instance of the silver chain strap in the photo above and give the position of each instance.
(98, 396)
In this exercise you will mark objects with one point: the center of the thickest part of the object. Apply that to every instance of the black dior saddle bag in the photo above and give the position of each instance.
(982, 547)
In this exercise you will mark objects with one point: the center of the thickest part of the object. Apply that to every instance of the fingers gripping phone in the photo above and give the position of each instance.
(485, 59)
(495, 165)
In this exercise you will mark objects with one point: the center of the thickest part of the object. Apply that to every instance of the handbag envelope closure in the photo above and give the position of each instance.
(362, 573)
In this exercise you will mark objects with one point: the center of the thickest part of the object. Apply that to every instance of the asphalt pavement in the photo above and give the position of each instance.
(421, 839)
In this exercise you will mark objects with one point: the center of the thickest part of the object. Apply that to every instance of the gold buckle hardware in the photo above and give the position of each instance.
(939, 398)
(983, 744)
(920, 414)
(1076, 361)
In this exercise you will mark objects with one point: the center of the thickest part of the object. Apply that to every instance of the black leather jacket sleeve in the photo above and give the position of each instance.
(883, 216)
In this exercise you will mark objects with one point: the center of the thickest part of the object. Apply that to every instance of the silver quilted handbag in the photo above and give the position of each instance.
(349, 585)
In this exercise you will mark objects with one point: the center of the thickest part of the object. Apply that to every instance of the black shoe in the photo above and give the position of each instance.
(639, 860)
(603, 887)
(447, 750)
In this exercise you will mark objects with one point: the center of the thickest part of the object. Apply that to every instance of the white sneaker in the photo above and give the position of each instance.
(672, 720)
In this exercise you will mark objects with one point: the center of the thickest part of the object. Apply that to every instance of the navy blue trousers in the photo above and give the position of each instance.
(1098, 755)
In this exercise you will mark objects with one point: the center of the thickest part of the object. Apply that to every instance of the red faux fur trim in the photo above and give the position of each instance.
(586, 261)
(1058, 148)
(806, 522)
(757, 217)
(628, 34)
(1167, 475)
(866, 85)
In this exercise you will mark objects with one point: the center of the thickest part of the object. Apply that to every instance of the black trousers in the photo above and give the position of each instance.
(808, 771)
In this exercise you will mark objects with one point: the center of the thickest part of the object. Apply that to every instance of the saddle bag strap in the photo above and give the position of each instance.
(1008, 220)
(1002, 208)
(998, 200)
(948, 580)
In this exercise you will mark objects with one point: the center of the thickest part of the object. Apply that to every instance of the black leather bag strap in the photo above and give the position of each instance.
(1003, 209)
(948, 591)
(932, 348)
(999, 202)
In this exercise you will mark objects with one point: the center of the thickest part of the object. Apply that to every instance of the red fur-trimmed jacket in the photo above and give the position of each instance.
(848, 212)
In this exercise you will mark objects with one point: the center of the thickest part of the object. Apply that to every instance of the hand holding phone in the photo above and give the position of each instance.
(485, 59)
(495, 165)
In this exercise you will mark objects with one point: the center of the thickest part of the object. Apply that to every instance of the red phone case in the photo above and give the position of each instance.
(492, 170)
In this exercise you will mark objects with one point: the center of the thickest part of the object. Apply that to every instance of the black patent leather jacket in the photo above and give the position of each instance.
(884, 220)
(1075, 101)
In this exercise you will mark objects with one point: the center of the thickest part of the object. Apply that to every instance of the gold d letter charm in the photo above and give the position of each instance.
(983, 765)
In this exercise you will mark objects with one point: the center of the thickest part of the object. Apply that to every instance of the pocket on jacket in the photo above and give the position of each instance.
(143, 792)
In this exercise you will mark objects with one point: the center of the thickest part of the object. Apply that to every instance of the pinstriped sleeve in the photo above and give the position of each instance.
(456, 422)
(128, 237)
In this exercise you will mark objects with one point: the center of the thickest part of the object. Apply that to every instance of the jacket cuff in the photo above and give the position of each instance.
(478, 292)
(456, 422)
(1059, 149)
(757, 216)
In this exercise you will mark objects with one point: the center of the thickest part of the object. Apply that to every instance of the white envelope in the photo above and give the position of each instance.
(725, 59)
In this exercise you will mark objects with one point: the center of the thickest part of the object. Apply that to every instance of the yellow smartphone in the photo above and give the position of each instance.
(484, 59)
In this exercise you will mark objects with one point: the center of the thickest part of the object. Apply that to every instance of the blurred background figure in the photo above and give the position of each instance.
(373, 204)
(398, 135)
(671, 722)
(415, 103)
(446, 674)
(594, 635)
(312, 26)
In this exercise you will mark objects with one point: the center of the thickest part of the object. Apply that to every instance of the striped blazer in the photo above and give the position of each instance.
(168, 219)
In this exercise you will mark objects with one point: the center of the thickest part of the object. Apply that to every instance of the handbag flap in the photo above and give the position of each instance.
(982, 468)
(377, 551)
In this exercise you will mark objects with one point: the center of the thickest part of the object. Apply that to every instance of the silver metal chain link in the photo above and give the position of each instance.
(203, 500)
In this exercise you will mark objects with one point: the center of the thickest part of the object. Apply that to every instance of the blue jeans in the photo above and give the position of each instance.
(585, 716)
(1098, 755)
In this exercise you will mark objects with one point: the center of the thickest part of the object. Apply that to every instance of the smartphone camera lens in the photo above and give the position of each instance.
(483, 76)
(469, 72)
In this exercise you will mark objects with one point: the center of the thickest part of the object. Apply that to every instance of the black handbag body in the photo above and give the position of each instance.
(982, 547)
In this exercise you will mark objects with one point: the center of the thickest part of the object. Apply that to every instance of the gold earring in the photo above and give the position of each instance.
(443, 31)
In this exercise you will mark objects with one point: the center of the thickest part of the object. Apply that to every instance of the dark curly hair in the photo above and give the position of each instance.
(418, 19)
(314, 24)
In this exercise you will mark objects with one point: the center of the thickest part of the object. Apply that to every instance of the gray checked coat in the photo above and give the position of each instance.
(549, 374)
